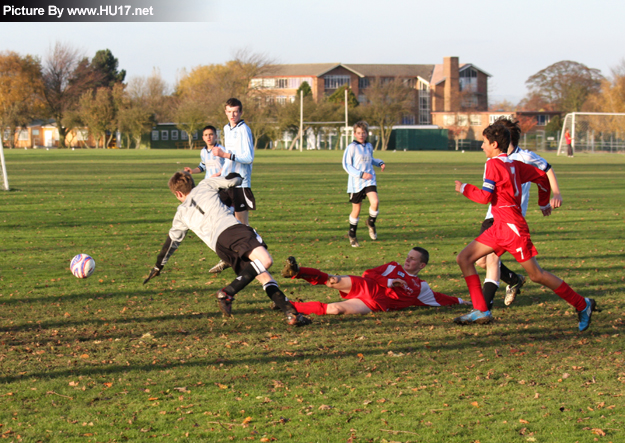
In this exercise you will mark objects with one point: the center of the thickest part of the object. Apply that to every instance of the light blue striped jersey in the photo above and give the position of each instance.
(530, 158)
(209, 162)
(239, 141)
(358, 159)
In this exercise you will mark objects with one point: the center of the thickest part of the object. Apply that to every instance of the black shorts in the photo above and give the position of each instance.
(235, 243)
(242, 199)
(360, 196)
(486, 224)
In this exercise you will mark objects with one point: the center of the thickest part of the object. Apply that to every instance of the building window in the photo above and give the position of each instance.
(292, 98)
(362, 99)
(475, 119)
(23, 135)
(174, 134)
(195, 135)
(542, 120)
(164, 134)
(282, 83)
(269, 99)
(424, 104)
(468, 80)
(82, 135)
(184, 135)
(409, 82)
(492, 118)
(336, 81)
(281, 99)
(154, 135)
(363, 83)
(449, 120)
(35, 132)
(408, 120)
(463, 120)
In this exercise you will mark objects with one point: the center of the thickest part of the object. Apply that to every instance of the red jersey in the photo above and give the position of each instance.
(502, 189)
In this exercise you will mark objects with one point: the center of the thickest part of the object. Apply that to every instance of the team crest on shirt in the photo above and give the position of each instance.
(401, 274)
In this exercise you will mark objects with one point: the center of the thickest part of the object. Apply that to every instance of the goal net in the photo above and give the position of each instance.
(3, 170)
(593, 131)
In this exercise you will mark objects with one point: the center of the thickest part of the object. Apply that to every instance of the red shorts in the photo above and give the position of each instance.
(509, 238)
(367, 291)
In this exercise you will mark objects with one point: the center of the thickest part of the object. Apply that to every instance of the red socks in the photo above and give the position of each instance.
(475, 291)
(312, 276)
(311, 307)
(567, 294)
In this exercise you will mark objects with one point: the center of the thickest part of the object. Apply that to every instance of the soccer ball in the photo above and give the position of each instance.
(82, 266)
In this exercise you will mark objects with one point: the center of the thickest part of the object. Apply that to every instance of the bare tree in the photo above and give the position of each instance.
(388, 99)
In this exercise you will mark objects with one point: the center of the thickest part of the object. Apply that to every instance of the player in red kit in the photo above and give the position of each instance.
(389, 287)
(502, 188)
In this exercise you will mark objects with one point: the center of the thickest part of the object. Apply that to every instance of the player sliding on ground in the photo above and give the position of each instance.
(203, 212)
(502, 188)
(389, 287)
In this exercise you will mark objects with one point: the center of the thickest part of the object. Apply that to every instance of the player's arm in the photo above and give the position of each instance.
(476, 194)
(379, 163)
(383, 275)
(531, 158)
(530, 173)
(230, 181)
(348, 163)
(174, 238)
(556, 199)
(221, 161)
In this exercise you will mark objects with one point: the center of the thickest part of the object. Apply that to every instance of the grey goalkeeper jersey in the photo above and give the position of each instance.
(203, 213)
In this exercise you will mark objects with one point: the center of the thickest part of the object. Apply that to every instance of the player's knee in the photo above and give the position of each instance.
(335, 309)
(481, 262)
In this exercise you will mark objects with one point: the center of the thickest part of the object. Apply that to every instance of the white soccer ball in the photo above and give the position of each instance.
(82, 266)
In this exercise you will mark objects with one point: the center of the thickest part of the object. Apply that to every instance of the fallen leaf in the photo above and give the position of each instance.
(324, 407)
(152, 398)
(525, 422)
(565, 375)
(474, 403)
(108, 384)
(84, 356)
(598, 431)
(73, 383)
(247, 420)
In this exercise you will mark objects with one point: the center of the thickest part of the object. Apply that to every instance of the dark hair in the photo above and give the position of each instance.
(425, 255)
(514, 127)
(212, 128)
(232, 102)
(498, 133)
(181, 181)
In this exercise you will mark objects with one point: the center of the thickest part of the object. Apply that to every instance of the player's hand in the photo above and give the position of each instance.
(556, 201)
(153, 273)
(383, 167)
(458, 186)
(189, 170)
(366, 176)
(218, 152)
(546, 211)
(399, 283)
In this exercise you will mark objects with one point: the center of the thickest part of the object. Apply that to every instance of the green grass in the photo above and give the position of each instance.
(108, 359)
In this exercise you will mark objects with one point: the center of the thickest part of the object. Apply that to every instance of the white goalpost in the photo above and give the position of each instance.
(5, 177)
(593, 131)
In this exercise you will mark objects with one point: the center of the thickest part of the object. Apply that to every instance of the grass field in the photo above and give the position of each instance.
(108, 359)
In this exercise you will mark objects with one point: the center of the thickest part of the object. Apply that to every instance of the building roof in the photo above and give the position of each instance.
(438, 77)
(362, 70)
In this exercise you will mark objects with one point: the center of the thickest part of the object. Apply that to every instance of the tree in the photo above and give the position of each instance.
(65, 79)
(98, 111)
(106, 65)
(305, 88)
(190, 116)
(20, 91)
(387, 101)
(502, 106)
(338, 97)
(564, 85)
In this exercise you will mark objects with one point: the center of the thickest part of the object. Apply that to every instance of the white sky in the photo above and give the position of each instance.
(510, 40)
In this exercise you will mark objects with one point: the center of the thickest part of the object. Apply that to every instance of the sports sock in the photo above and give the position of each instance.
(353, 225)
(312, 275)
(278, 297)
(311, 307)
(489, 290)
(507, 275)
(373, 215)
(565, 292)
(248, 273)
(475, 290)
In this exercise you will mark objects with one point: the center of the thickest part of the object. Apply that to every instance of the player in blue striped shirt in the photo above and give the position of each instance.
(358, 162)
(209, 163)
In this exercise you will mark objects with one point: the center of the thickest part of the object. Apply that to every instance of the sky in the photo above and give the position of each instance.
(510, 40)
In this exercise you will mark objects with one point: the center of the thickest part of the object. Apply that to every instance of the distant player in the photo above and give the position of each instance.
(209, 163)
(502, 187)
(389, 287)
(358, 162)
(495, 269)
(239, 157)
(202, 211)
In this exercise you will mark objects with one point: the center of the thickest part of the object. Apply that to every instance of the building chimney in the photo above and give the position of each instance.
(452, 87)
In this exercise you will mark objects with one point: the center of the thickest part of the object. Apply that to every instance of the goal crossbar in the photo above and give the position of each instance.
(593, 130)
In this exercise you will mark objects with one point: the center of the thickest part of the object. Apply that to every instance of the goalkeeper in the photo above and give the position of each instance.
(240, 246)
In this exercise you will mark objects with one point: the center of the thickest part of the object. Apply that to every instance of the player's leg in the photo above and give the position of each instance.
(349, 307)
(374, 203)
(514, 281)
(466, 259)
(243, 217)
(341, 283)
(353, 224)
(311, 275)
(584, 306)
(491, 281)
(293, 316)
